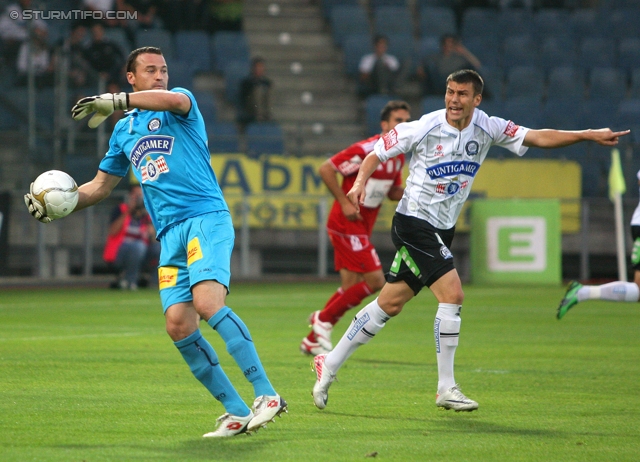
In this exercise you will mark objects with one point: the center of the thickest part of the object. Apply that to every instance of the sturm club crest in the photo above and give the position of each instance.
(445, 252)
(471, 148)
(154, 125)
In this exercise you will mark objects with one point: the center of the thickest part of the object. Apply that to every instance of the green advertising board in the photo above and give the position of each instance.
(516, 240)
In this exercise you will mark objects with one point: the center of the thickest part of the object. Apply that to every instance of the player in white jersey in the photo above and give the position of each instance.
(447, 148)
(618, 291)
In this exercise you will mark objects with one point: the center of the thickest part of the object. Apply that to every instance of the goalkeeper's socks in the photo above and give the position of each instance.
(240, 345)
(338, 306)
(367, 323)
(618, 291)
(203, 362)
(446, 330)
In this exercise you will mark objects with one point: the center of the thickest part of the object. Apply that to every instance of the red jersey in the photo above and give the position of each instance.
(388, 174)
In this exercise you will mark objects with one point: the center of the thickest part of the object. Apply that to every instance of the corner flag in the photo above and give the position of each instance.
(617, 186)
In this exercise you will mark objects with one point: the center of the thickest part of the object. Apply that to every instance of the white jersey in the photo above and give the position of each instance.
(635, 219)
(445, 161)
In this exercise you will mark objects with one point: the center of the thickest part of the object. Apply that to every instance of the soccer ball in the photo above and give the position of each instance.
(57, 191)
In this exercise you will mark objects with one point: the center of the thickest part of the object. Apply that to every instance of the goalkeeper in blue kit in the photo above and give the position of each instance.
(163, 139)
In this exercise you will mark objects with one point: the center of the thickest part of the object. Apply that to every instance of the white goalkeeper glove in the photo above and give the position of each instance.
(36, 208)
(103, 106)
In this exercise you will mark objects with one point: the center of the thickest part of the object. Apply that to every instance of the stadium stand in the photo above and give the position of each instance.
(373, 106)
(597, 52)
(227, 46)
(264, 138)
(157, 38)
(432, 103)
(355, 46)
(391, 20)
(192, 47)
(607, 83)
(223, 137)
(629, 53)
(519, 50)
(557, 50)
(435, 21)
(234, 72)
(566, 82)
(524, 81)
(348, 20)
(477, 22)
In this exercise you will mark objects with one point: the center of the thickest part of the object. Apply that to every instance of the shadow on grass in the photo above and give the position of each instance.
(392, 363)
(240, 447)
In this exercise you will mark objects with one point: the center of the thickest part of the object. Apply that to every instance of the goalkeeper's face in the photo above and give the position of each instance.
(150, 73)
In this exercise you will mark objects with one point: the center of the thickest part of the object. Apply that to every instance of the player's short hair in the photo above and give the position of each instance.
(131, 60)
(385, 113)
(379, 37)
(468, 76)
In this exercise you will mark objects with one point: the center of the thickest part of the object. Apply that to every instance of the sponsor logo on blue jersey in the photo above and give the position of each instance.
(156, 144)
(453, 168)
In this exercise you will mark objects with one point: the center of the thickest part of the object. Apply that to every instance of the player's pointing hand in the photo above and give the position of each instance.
(606, 137)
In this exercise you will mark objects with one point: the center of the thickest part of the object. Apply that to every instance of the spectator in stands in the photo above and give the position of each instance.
(453, 56)
(81, 73)
(13, 32)
(224, 15)
(146, 12)
(104, 56)
(255, 95)
(102, 6)
(128, 242)
(41, 59)
(378, 70)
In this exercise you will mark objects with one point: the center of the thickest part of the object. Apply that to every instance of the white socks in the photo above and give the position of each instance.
(446, 330)
(616, 291)
(364, 326)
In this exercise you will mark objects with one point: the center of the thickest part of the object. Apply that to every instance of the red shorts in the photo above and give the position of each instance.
(354, 253)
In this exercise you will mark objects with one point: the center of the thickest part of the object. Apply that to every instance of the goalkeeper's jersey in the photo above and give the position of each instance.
(445, 161)
(170, 157)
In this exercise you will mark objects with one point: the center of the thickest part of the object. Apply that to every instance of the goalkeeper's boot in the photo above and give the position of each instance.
(265, 409)
(308, 347)
(324, 380)
(570, 299)
(454, 399)
(322, 330)
(230, 425)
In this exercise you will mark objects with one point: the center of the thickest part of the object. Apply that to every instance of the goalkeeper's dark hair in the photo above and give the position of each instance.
(385, 113)
(131, 60)
(468, 76)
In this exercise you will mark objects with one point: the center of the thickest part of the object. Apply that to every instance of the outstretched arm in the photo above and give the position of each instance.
(548, 138)
(160, 100)
(357, 192)
(97, 189)
(102, 106)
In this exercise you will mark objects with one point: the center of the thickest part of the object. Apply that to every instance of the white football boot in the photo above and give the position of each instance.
(265, 409)
(322, 331)
(311, 348)
(230, 425)
(324, 380)
(454, 399)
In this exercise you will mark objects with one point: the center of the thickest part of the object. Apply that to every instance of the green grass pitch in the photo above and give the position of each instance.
(90, 375)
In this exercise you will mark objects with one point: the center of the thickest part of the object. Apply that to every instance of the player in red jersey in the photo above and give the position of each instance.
(355, 257)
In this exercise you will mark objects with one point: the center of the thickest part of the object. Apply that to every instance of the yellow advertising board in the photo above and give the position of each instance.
(285, 192)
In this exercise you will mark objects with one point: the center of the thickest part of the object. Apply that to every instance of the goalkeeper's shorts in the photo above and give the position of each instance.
(194, 250)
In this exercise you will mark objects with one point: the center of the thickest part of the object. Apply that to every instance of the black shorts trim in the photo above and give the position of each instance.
(422, 252)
